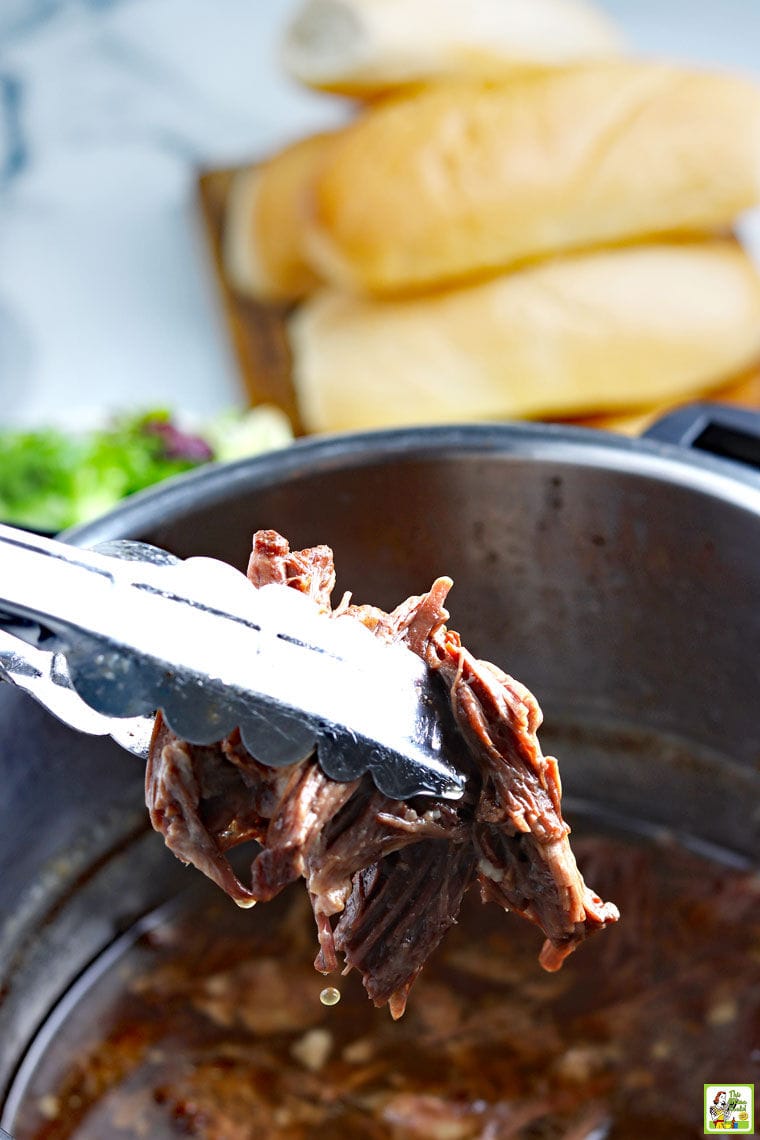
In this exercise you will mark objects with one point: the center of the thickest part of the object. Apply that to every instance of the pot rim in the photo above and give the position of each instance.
(723, 479)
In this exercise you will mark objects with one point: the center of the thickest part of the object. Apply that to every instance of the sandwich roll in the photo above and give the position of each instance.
(364, 47)
(457, 180)
(262, 244)
(592, 333)
(742, 392)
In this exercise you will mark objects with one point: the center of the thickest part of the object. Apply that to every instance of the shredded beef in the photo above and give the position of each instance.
(394, 872)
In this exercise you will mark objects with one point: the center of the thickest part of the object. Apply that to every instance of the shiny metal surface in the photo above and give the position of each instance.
(44, 675)
(191, 637)
(619, 580)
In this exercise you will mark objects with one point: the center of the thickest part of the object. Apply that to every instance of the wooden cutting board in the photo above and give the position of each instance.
(258, 336)
(257, 331)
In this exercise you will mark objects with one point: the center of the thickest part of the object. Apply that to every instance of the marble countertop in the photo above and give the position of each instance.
(108, 110)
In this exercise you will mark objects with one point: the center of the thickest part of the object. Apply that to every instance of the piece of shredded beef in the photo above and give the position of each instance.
(394, 872)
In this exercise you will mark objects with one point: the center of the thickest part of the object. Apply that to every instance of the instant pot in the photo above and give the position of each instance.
(619, 579)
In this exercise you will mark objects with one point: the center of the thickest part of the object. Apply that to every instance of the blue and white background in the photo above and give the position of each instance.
(108, 108)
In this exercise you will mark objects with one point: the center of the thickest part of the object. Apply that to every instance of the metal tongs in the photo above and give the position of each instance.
(103, 638)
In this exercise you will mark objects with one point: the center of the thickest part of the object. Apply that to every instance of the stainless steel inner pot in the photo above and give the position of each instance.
(620, 580)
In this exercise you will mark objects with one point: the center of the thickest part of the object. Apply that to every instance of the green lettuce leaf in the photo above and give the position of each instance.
(50, 479)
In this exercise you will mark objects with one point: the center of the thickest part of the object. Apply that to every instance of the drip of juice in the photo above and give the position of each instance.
(210, 1022)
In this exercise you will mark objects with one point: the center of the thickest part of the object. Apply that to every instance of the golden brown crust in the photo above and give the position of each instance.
(459, 179)
(598, 332)
(264, 223)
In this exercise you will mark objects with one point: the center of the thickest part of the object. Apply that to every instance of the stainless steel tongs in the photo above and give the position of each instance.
(103, 638)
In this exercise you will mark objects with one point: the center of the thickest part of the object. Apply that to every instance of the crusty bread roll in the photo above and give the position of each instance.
(263, 227)
(595, 332)
(742, 391)
(461, 179)
(362, 47)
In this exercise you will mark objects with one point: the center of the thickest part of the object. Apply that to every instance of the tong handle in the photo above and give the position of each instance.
(44, 675)
(140, 634)
(56, 586)
(194, 639)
